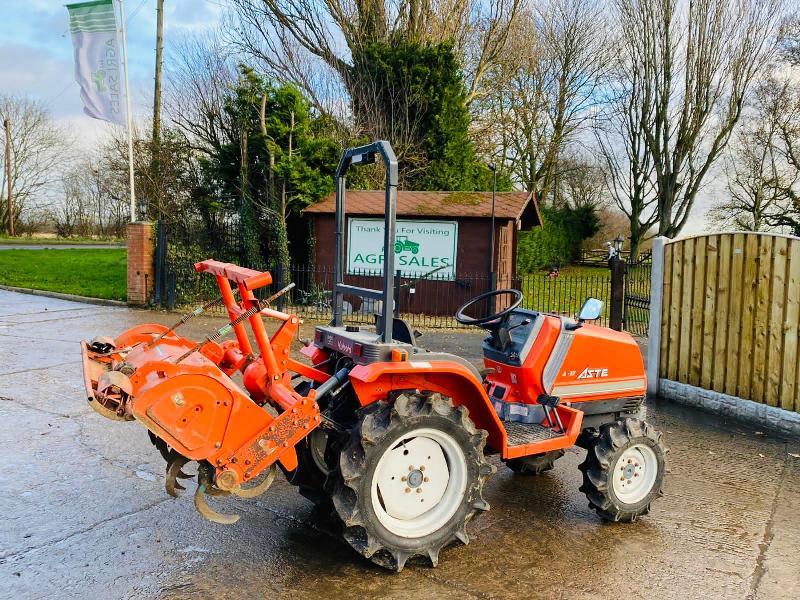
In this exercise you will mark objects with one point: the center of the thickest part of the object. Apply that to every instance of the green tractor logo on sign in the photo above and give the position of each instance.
(99, 78)
(403, 244)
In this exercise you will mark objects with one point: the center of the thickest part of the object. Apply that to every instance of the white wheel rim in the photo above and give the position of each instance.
(318, 441)
(635, 474)
(419, 483)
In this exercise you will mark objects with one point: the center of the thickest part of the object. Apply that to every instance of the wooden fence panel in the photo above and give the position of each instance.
(685, 312)
(789, 385)
(708, 312)
(734, 330)
(723, 293)
(775, 324)
(731, 316)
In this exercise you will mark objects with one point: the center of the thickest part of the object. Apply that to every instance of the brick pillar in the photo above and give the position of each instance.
(141, 249)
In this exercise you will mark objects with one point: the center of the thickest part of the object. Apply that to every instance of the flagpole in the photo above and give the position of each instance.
(128, 108)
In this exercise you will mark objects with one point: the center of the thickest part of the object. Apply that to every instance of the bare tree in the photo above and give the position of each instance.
(38, 146)
(544, 89)
(790, 39)
(783, 106)
(286, 36)
(627, 163)
(581, 183)
(201, 76)
(94, 199)
(692, 64)
(752, 164)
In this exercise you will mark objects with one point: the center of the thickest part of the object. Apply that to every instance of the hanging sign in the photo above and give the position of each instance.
(420, 248)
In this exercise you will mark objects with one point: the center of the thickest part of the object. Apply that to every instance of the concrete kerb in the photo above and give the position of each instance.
(750, 412)
(61, 296)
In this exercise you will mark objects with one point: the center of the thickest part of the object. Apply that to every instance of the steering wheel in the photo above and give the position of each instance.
(497, 319)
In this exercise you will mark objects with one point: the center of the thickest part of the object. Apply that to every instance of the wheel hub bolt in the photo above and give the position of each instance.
(415, 478)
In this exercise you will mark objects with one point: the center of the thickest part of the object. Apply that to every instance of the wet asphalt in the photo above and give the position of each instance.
(83, 512)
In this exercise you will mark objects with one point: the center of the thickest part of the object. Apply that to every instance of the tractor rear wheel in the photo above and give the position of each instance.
(410, 479)
(624, 470)
(535, 464)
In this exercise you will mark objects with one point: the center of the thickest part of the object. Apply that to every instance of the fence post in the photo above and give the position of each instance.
(161, 262)
(656, 303)
(617, 300)
(281, 284)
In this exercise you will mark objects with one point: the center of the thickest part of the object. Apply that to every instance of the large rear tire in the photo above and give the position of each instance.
(624, 470)
(410, 479)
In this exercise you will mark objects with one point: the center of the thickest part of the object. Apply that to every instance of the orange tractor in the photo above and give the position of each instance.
(391, 437)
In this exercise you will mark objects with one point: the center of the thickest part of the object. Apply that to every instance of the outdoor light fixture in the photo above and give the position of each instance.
(618, 241)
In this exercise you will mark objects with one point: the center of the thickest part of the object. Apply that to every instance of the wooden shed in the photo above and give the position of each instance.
(442, 238)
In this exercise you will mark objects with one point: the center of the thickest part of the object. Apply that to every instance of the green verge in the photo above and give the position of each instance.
(91, 272)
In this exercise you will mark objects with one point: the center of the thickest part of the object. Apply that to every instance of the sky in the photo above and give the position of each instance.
(36, 60)
(36, 54)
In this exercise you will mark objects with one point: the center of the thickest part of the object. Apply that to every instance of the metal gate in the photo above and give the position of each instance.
(636, 305)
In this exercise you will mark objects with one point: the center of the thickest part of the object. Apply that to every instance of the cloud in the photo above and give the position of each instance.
(38, 72)
(36, 49)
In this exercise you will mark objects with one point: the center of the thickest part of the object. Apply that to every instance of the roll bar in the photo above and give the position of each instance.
(353, 157)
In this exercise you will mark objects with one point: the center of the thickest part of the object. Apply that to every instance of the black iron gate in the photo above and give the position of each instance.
(180, 244)
(636, 305)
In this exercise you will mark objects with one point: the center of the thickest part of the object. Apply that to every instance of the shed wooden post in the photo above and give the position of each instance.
(656, 302)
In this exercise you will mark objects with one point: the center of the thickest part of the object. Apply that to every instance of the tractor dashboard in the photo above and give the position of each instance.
(523, 327)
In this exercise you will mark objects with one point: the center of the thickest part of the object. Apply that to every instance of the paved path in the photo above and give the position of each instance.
(84, 513)
(56, 246)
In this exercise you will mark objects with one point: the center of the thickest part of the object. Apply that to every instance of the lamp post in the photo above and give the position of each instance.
(616, 314)
(492, 272)
(493, 168)
(618, 241)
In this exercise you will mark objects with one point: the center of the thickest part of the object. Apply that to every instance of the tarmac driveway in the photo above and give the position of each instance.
(84, 513)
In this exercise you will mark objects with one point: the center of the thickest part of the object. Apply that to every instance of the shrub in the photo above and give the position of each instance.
(559, 241)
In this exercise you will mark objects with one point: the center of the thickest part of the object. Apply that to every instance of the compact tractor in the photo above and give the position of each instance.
(391, 437)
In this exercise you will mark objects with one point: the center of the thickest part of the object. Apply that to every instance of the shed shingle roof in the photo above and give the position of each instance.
(509, 205)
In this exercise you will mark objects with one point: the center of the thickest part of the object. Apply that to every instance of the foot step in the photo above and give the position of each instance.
(521, 434)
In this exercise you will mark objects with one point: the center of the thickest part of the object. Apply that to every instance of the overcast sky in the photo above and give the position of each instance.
(36, 59)
(36, 53)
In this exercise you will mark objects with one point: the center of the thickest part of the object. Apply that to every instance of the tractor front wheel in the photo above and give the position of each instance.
(536, 464)
(624, 470)
(410, 479)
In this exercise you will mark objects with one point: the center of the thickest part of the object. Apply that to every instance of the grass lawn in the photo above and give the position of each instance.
(96, 273)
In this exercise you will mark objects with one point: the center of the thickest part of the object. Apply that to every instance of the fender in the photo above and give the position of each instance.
(141, 334)
(374, 381)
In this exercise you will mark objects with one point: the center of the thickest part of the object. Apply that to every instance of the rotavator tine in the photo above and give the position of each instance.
(173, 468)
(258, 489)
(204, 509)
(182, 475)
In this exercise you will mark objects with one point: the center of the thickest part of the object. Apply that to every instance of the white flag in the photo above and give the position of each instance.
(93, 26)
